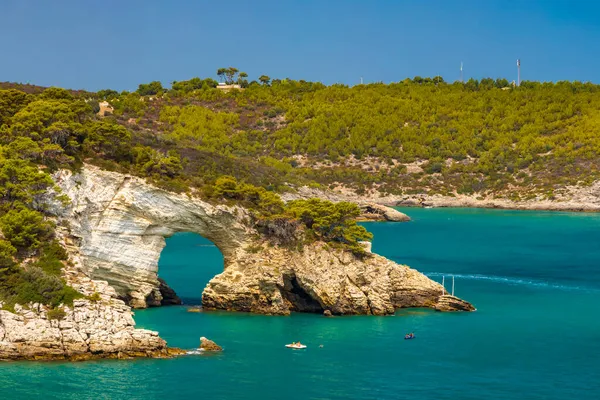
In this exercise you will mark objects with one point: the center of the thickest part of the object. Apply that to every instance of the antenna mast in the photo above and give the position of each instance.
(443, 286)
(461, 72)
(518, 72)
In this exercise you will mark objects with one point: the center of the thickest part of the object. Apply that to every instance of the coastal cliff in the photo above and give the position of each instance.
(119, 224)
(114, 230)
(321, 279)
(100, 326)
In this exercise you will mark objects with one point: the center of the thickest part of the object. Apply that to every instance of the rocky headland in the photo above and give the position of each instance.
(114, 230)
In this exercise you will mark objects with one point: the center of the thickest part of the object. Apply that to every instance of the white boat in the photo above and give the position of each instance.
(296, 346)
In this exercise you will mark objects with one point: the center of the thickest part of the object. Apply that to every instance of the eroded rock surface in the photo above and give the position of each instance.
(277, 281)
(114, 231)
(120, 223)
(103, 328)
(451, 303)
(209, 345)
(378, 212)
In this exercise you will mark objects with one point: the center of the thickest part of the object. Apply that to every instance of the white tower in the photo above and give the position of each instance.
(518, 72)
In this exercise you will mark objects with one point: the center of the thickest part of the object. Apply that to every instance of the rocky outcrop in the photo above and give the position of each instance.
(378, 212)
(169, 297)
(209, 345)
(451, 303)
(100, 325)
(114, 230)
(119, 224)
(99, 328)
(279, 281)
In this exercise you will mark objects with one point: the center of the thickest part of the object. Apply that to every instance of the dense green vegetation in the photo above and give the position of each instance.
(297, 221)
(44, 131)
(421, 135)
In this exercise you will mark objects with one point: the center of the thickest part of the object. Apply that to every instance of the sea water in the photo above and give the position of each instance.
(533, 276)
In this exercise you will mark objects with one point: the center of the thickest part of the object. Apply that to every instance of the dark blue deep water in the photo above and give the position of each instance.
(533, 276)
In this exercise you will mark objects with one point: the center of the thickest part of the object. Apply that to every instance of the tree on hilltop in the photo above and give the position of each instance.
(264, 79)
(242, 81)
(149, 89)
(229, 74)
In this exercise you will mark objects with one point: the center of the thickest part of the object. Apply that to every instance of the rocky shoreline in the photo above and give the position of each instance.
(97, 326)
(88, 330)
(572, 198)
(114, 231)
(321, 279)
(378, 212)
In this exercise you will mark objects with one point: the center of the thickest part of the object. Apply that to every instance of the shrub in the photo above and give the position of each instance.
(94, 297)
(56, 313)
(7, 253)
(25, 229)
(331, 222)
(50, 261)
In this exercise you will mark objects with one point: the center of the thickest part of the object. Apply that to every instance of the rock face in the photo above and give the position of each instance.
(169, 297)
(209, 345)
(319, 278)
(119, 224)
(451, 303)
(378, 212)
(103, 328)
(114, 231)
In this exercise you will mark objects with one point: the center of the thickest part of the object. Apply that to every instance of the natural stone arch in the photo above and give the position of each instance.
(119, 224)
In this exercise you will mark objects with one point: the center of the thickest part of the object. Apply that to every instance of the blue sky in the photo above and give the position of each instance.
(119, 44)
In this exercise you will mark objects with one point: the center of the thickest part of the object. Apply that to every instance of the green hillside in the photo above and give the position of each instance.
(242, 146)
(415, 136)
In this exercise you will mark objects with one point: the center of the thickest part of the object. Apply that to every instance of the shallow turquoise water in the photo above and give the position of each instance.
(533, 276)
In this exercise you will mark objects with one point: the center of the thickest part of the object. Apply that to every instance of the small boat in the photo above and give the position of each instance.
(296, 346)
(409, 336)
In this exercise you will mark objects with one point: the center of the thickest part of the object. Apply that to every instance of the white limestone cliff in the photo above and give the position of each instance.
(98, 328)
(120, 223)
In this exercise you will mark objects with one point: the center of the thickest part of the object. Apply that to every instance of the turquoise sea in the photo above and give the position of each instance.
(533, 276)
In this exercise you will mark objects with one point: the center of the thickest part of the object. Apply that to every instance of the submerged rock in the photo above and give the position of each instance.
(209, 345)
(327, 313)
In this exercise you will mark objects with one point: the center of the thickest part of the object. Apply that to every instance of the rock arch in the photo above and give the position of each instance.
(119, 223)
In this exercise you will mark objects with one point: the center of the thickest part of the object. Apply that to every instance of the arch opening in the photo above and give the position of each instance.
(187, 263)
